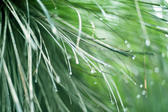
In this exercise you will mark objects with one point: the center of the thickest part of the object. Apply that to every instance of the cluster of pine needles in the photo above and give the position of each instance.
(83, 56)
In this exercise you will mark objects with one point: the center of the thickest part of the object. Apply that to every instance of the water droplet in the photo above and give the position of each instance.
(159, 14)
(147, 42)
(35, 80)
(54, 30)
(157, 8)
(101, 19)
(112, 102)
(138, 96)
(163, 55)
(143, 92)
(156, 69)
(107, 65)
(125, 109)
(58, 80)
(55, 89)
(69, 57)
(162, 28)
(141, 86)
(55, 8)
(95, 82)
(70, 73)
(77, 61)
(93, 71)
(133, 57)
(166, 35)
(126, 41)
(128, 46)
(158, 11)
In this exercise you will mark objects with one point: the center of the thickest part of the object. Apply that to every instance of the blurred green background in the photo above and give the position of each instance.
(91, 55)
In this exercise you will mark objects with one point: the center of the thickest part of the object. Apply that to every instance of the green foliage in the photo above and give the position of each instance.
(83, 56)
